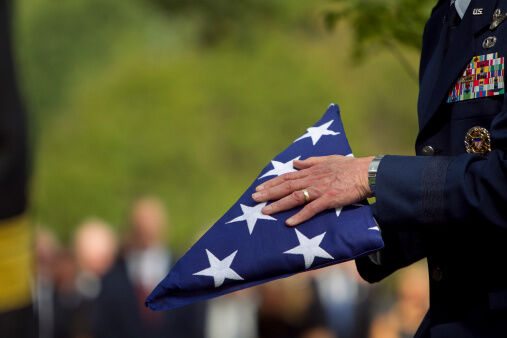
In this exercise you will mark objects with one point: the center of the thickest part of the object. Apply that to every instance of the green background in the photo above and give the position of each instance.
(130, 97)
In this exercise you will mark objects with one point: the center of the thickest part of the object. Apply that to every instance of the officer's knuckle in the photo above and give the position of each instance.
(275, 206)
(296, 197)
(285, 177)
(290, 176)
(290, 186)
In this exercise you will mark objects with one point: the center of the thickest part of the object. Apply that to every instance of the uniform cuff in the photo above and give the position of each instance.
(410, 191)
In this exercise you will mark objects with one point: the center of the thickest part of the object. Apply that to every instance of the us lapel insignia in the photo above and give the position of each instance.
(477, 11)
(482, 77)
(478, 141)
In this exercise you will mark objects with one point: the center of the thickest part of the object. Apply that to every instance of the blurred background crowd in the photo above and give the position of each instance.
(96, 287)
(185, 100)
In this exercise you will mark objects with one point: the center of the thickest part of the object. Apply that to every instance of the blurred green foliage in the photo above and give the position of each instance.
(219, 19)
(131, 97)
(385, 23)
(401, 21)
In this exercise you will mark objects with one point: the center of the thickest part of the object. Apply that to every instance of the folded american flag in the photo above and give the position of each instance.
(245, 247)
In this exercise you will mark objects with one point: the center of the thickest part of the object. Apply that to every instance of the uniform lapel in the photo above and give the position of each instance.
(444, 71)
(431, 74)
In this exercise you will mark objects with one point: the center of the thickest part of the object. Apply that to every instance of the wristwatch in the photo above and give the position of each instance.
(372, 172)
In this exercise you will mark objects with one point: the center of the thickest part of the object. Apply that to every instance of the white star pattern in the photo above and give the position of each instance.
(315, 133)
(251, 215)
(309, 248)
(280, 168)
(219, 269)
(339, 209)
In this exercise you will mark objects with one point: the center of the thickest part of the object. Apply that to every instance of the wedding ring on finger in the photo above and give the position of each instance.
(307, 195)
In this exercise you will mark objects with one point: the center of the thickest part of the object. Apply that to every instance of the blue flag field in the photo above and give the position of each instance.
(246, 248)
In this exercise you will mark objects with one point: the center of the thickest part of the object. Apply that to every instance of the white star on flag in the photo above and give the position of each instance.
(251, 215)
(317, 132)
(339, 209)
(376, 227)
(309, 248)
(219, 269)
(280, 168)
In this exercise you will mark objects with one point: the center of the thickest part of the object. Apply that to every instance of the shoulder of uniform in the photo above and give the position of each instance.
(439, 3)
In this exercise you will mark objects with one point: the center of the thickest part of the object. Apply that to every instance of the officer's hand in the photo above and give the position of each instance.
(331, 182)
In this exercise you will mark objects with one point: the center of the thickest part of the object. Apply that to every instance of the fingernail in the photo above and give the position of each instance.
(259, 188)
(290, 221)
(267, 209)
(256, 195)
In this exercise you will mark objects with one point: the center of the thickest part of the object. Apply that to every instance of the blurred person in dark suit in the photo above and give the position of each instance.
(65, 300)
(95, 247)
(69, 280)
(47, 248)
(290, 308)
(143, 263)
(17, 317)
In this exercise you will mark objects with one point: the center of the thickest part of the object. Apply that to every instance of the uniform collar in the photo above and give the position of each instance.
(461, 6)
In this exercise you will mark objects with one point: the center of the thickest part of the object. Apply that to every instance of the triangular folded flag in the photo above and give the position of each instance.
(245, 247)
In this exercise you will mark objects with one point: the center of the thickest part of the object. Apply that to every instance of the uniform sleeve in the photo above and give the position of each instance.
(400, 249)
(423, 193)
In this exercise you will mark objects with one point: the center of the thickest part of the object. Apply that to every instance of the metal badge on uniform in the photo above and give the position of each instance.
(483, 77)
(498, 18)
(489, 42)
(478, 141)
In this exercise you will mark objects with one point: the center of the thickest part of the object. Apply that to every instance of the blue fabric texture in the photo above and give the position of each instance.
(238, 252)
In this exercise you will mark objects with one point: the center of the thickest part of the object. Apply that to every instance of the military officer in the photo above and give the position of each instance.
(449, 202)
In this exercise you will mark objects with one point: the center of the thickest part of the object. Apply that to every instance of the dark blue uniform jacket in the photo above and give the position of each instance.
(445, 204)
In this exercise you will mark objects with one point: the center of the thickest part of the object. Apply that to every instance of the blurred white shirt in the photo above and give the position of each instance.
(148, 267)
